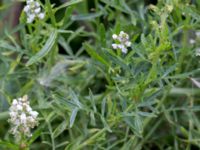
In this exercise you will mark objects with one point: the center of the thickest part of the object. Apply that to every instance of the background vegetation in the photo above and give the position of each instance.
(88, 96)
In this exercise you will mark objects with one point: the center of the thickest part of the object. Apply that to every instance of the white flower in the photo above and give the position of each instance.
(37, 10)
(37, 4)
(28, 108)
(198, 52)
(114, 36)
(14, 102)
(122, 33)
(41, 15)
(19, 107)
(128, 43)
(192, 41)
(12, 114)
(33, 11)
(114, 46)
(34, 114)
(26, 8)
(22, 117)
(29, 1)
(121, 41)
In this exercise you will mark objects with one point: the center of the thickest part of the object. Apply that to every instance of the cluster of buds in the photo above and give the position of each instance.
(22, 117)
(33, 10)
(121, 41)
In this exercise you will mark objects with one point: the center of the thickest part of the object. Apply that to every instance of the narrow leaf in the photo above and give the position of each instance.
(45, 50)
(72, 2)
(73, 117)
(94, 54)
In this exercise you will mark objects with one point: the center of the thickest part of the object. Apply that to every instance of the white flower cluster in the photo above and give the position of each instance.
(33, 10)
(22, 117)
(121, 41)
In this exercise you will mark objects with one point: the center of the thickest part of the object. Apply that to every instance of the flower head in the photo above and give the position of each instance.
(33, 10)
(121, 41)
(22, 117)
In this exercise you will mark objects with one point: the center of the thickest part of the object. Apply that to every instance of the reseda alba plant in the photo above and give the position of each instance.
(122, 42)
(100, 74)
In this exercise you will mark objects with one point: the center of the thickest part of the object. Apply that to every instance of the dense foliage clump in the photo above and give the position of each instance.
(100, 74)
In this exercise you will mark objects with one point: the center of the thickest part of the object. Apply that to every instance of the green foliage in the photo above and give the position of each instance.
(90, 96)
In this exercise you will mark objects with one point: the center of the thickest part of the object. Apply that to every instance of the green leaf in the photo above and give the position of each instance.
(138, 124)
(45, 50)
(60, 128)
(90, 16)
(92, 101)
(36, 134)
(67, 16)
(102, 33)
(70, 3)
(94, 54)
(135, 124)
(73, 116)
(75, 99)
(8, 145)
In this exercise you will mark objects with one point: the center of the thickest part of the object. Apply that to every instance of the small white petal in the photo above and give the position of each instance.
(23, 118)
(26, 8)
(37, 10)
(29, 1)
(30, 119)
(41, 15)
(14, 102)
(121, 46)
(128, 44)
(30, 18)
(122, 33)
(192, 41)
(37, 4)
(19, 107)
(124, 50)
(34, 114)
(28, 109)
(12, 114)
(114, 46)
(114, 36)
